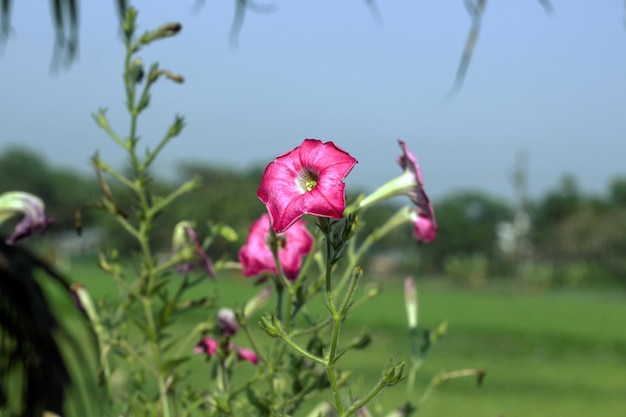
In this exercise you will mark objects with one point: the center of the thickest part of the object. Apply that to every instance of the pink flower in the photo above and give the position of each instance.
(256, 256)
(424, 221)
(306, 180)
(208, 346)
(247, 355)
(425, 228)
(410, 183)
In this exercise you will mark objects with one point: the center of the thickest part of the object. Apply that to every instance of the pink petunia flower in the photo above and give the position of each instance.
(256, 256)
(31, 207)
(306, 180)
(409, 183)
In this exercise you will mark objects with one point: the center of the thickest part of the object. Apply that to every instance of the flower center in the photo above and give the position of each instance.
(308, 180)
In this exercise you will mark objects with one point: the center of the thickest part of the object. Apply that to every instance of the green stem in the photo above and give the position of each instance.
(362, 402)
(336, 320)
(122, 179)
(302, 351)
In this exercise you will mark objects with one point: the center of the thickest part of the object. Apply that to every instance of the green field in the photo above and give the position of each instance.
(550, 354)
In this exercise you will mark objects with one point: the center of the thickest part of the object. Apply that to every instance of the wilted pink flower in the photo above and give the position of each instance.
(206, 346)
(409, 183)
(424, 227)
(256, 256)
(183, 235)
(247, 355)
(32, 208)
(306, 180)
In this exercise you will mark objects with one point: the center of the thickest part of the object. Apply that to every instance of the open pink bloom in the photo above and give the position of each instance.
(306, 180)
(256, 256)
(31, 207)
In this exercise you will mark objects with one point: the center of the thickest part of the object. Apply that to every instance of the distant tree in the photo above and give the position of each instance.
(556, 207)
(617, 191)
(467, 226)
(63, 190)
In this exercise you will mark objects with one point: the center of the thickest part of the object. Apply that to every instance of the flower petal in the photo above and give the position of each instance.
(247, 355)
(206, 346)
(256, 256)
(287, 194)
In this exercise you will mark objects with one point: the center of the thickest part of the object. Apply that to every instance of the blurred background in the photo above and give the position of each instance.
(523, 161)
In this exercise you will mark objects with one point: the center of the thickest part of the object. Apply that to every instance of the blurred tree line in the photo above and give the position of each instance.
(568, 239)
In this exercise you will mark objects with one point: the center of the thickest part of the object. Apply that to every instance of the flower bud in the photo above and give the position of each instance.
(393, 373)
(373, 291)
(244, 354)
(258, 301)
(227, 322)
(136, 70)
(410, 300)
(271, 325)
(165, 31)
(33, 213)
(361, 342)
(207, 346)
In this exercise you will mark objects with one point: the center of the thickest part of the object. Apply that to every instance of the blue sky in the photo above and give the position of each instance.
(552, 85)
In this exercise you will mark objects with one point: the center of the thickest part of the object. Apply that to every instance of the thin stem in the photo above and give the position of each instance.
(336, 320)
(362, 402)
(302, 351)
(122, 179)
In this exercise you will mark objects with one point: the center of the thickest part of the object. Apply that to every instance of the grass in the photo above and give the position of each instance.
(551, 354)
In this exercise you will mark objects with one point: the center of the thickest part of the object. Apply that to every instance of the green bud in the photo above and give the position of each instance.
(180, 239)
(143, 102)
(165, 31)
(361, 342)
(343, 377)
(270, 324)
(129, 24)
(176, 127)
(393, 373)
(373, 291)
(226, 232)
(135, 71)
(410, 301)
(255, 303)
(101, 118)
(350, 227)
(441, 329)
(323, 409)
